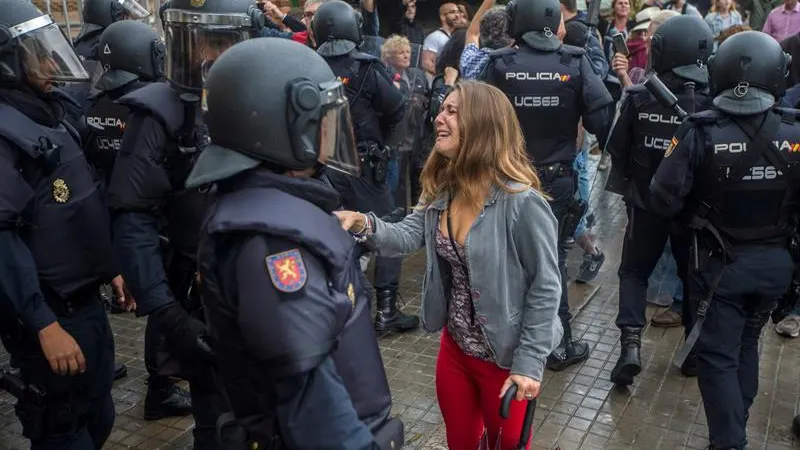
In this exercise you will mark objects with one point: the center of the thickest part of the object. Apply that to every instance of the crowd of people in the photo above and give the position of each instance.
(155, 166)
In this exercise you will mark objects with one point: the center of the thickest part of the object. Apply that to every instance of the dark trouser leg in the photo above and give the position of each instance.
(363, 194)
(207, 405)
(570, 352)
(164, 397)
(79, 412)
(727, 357)
(645, 237)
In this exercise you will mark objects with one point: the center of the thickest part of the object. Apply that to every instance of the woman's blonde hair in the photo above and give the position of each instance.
(393, 44)
(491, 149)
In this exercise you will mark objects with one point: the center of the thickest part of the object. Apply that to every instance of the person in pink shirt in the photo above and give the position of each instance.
(783, 21)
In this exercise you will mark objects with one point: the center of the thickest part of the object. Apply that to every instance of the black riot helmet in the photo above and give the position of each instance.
(129, 51)
(337, 28)
(198, 31)
(98, 14)
(541, 17)
(33, 50)
(748, 73)
(682, 45)
(291, 115)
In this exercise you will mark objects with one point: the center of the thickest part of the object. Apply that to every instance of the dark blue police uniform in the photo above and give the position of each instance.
(552, 87)
(376, 107)
(740, 202)
(147, 197)
(106, 120)
(291, 324)
(641, 134)
(56, 246)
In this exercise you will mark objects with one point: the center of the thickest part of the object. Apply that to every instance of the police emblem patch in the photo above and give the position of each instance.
(671, 147)
(60, 191)
(351, 294)
(287, 271)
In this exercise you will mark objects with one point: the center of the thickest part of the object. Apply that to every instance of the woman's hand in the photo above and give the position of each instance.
(620, 64)
(352, 220)
(527, 388)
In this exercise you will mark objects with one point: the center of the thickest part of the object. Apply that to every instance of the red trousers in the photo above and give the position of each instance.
(468, 390)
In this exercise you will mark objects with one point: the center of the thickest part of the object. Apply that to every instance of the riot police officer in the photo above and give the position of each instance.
(377, 107)
(133, 57)
(679, 51)
(97, 15)
(55, 241)
(733, 171)
(163, 136)
(552, 87)
(288, 317)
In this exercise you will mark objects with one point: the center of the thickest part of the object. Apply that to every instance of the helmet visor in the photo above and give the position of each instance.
(46, 54)
(192, 48)
(133, 10)
(337, 145)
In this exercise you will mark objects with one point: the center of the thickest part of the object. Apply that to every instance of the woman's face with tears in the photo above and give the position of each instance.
(448, 136)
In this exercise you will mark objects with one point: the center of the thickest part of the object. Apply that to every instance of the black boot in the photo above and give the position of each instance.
(389, 317)
(629, 363)
(120, 371)
(796, 426)
(166, 399)
(568, 353)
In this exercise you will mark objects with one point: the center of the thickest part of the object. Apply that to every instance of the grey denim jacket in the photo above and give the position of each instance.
(512, 258)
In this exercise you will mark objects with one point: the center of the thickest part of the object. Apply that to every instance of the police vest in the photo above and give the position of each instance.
(357, 358)
(67, 228)
(545, 89)
(653, 130)
(756, 208)
(353, 70)
(186, 208)
(106, 119)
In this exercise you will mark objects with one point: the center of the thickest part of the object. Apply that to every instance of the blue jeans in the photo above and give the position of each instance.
(667, 271)
(393, 175)
(581, 168)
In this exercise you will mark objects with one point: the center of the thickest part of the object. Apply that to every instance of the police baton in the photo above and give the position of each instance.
(664, 96)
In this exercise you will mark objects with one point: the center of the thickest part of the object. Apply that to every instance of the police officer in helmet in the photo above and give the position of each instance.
(377, 107)
(133, 57)
(163, 136)
(679, 51)
(55, 241)
(732, 171)
(552, 87)
(99, 14)
(288, 316)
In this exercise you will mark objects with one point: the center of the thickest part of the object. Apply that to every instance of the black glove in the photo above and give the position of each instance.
(397, 215)
(184, 334)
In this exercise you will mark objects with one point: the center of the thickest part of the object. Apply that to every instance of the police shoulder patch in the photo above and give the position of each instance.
(287, 271)
(671, 147)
